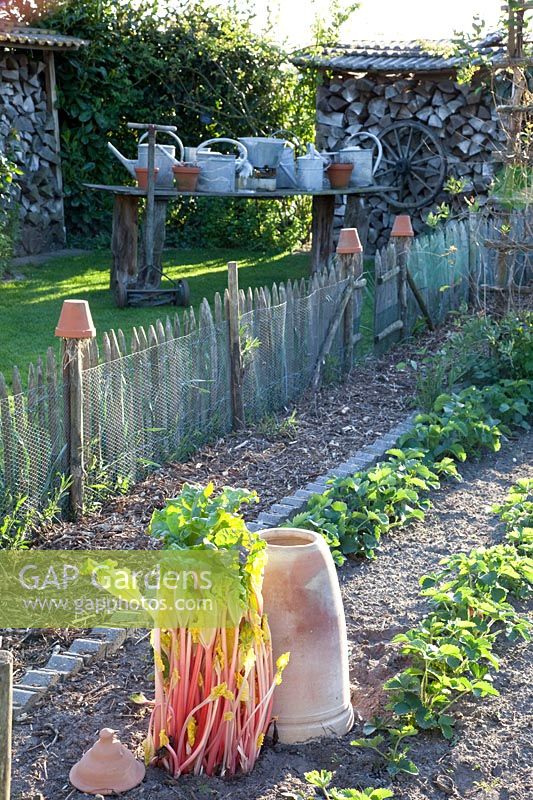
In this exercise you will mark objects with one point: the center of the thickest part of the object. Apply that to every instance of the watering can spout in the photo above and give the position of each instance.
(129, 163)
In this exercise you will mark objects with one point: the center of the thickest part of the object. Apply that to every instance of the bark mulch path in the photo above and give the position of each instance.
(487, 760)
(276, 457)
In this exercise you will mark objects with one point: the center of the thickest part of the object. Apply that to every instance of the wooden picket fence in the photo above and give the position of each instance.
(460, 263)
(174, 385)
(117, 411)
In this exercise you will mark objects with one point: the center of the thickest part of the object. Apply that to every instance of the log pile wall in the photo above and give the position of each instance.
(462, 116)
(26, 112)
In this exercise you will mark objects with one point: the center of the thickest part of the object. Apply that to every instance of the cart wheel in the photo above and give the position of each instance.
(413, 162)
(183, 294)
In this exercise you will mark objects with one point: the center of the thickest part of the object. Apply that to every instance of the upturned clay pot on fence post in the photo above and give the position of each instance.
(306, 616)
(75, 327)
(401, 236)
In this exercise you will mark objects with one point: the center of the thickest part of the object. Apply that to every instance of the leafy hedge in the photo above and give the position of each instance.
(194, 65)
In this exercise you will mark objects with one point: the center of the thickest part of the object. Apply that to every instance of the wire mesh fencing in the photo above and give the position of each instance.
(32, 435)
(465, 261)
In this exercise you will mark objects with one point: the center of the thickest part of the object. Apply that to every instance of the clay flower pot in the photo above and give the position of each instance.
(75, 321)
(306, 616)
(339, 175)
(107, 768)
(142, 176)
(402, 226)
(349, 241)
(186, 177)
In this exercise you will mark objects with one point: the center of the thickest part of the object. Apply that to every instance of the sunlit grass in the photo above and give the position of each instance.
(29, 308)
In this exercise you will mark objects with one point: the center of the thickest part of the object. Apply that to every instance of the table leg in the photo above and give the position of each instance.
(357, 216)
(124, 247)
(322, 231)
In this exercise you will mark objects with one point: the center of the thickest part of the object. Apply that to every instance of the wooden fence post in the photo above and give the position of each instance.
(473, 283)
(401, 236)
(236, 369)
(6, 715)
(75, 326)
(350, 258)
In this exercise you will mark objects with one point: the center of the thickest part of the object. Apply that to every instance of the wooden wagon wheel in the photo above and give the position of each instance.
(413, 162)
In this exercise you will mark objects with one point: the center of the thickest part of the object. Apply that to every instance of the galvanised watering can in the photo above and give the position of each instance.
(164, 158)
(362, 159)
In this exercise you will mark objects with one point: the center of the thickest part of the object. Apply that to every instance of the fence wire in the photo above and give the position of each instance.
(156, 405)
(282, 345)
(32, 443)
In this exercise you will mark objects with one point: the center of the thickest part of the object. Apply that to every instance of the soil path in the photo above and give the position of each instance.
(488, 760)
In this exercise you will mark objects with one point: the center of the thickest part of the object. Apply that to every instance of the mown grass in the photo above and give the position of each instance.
(29, 308)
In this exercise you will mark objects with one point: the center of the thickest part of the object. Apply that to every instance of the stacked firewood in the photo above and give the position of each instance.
(462, 116)
(27, 132)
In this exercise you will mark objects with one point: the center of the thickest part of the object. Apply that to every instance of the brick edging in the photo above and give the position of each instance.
(364, 458)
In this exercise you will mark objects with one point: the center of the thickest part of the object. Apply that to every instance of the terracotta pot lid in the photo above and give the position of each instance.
(402, 226)
(107, 768)
(75, 321)
(349, 241)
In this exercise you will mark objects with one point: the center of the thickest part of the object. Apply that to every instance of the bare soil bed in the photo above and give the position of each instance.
(487, 760)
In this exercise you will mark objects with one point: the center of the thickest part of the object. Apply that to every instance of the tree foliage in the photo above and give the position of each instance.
(196, 66)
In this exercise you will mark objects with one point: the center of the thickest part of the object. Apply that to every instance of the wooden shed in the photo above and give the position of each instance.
(397, 90)
(29, 128)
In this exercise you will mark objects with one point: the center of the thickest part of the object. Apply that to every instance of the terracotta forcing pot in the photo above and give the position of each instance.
(306, 616)
(339, 175)
(142, 176)
(186, 177)
(107, 768)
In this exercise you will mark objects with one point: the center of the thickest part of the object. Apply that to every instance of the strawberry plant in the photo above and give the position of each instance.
(451, 651)
(321, 780)
(517, 513)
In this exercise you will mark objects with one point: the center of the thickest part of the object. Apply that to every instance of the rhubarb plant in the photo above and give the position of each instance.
(213, 687)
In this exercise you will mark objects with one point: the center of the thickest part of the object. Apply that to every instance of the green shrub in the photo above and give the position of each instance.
(480, 352)
(195, 65)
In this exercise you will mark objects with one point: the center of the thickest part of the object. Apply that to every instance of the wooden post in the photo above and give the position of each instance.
(75, 326)
(401, 237)
(124, 246)
(473, 282)
(236, 368)
(6, 717)
(51, 107)
(322, 231)
(350, 257)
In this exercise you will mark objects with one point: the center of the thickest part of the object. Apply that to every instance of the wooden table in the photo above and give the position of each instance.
(125, 270)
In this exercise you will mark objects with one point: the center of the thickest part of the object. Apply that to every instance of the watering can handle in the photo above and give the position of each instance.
(145, 126)
(378, 145)
(295, 143)
(242, 149)
(175, 136)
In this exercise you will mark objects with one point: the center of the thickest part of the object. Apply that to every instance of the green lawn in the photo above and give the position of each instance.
(29, 309)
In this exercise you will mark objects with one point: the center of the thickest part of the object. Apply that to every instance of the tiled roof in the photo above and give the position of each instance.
(412, 56)
(38, 38)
